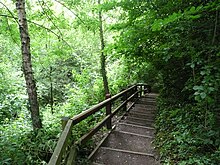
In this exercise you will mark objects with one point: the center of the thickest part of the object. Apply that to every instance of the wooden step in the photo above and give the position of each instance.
(147, 98)
(111, 156)
(135, 129)
(137, 119)
(129, 141)
(154, 95)
(149, 107)
(97, 163)
(141, 115)
(139, 123)
(147, 102)
(144, 112)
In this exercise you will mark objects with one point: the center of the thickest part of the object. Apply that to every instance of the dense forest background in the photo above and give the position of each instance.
(171, 45)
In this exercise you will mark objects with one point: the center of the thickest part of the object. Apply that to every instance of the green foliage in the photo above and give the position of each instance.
(171, 45)
(65, 58)
(174, 17)
(180, 40)
(20, 144)
(159, 23)
(210, 79)
(176, 42)
(187, 135)
(12, 97)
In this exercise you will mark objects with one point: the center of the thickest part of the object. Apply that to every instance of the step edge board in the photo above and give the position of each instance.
(139, 126)
(95, 163)
(137, 118)
(144, 113)
(128, 151)
(139, 113)
(135, 134)
(144, 109)
(136, 123)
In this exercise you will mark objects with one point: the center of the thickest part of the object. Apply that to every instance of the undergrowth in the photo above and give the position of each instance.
(21, 145)
(187, 135)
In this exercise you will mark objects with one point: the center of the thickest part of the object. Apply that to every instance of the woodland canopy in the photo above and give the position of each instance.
(63, 56)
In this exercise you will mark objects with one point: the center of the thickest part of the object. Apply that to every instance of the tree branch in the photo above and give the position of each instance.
(10, 31)
(58, 36)
(12, 15)
(71, 11)
(50, 19)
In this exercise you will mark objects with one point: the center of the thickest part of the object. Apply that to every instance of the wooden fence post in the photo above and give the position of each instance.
(145, 89)
(64, 121)
(135, 90)
(108, 112)
(124, 98)
(72, 156)
(140, 88)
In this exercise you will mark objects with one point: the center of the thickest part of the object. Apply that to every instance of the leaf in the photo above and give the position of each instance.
(192, 9)
(202, 73)
(211, 89)
(203, 95)
(195, 16)
(196, 93)
(157, 25)
(198, 88)
(192, 65)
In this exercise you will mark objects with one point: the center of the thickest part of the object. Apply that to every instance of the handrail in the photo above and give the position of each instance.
(76, 119)
(62, 142)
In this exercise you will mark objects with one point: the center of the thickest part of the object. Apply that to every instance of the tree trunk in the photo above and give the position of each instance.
(102, 56)
(51, 90)
(27, 66)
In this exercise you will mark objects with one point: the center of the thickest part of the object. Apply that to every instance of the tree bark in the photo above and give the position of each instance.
(103, 56)
(27, 66)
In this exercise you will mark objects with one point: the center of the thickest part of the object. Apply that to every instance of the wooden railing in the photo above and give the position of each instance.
(126, 96)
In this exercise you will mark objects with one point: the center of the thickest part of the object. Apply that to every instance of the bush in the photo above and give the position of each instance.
(187, 135)
(20, 144)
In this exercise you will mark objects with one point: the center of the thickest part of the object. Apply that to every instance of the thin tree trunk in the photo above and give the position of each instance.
(27, 66)
(102, 56)
(51, 90)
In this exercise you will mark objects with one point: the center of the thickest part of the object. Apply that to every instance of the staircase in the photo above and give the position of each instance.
(130, 143)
